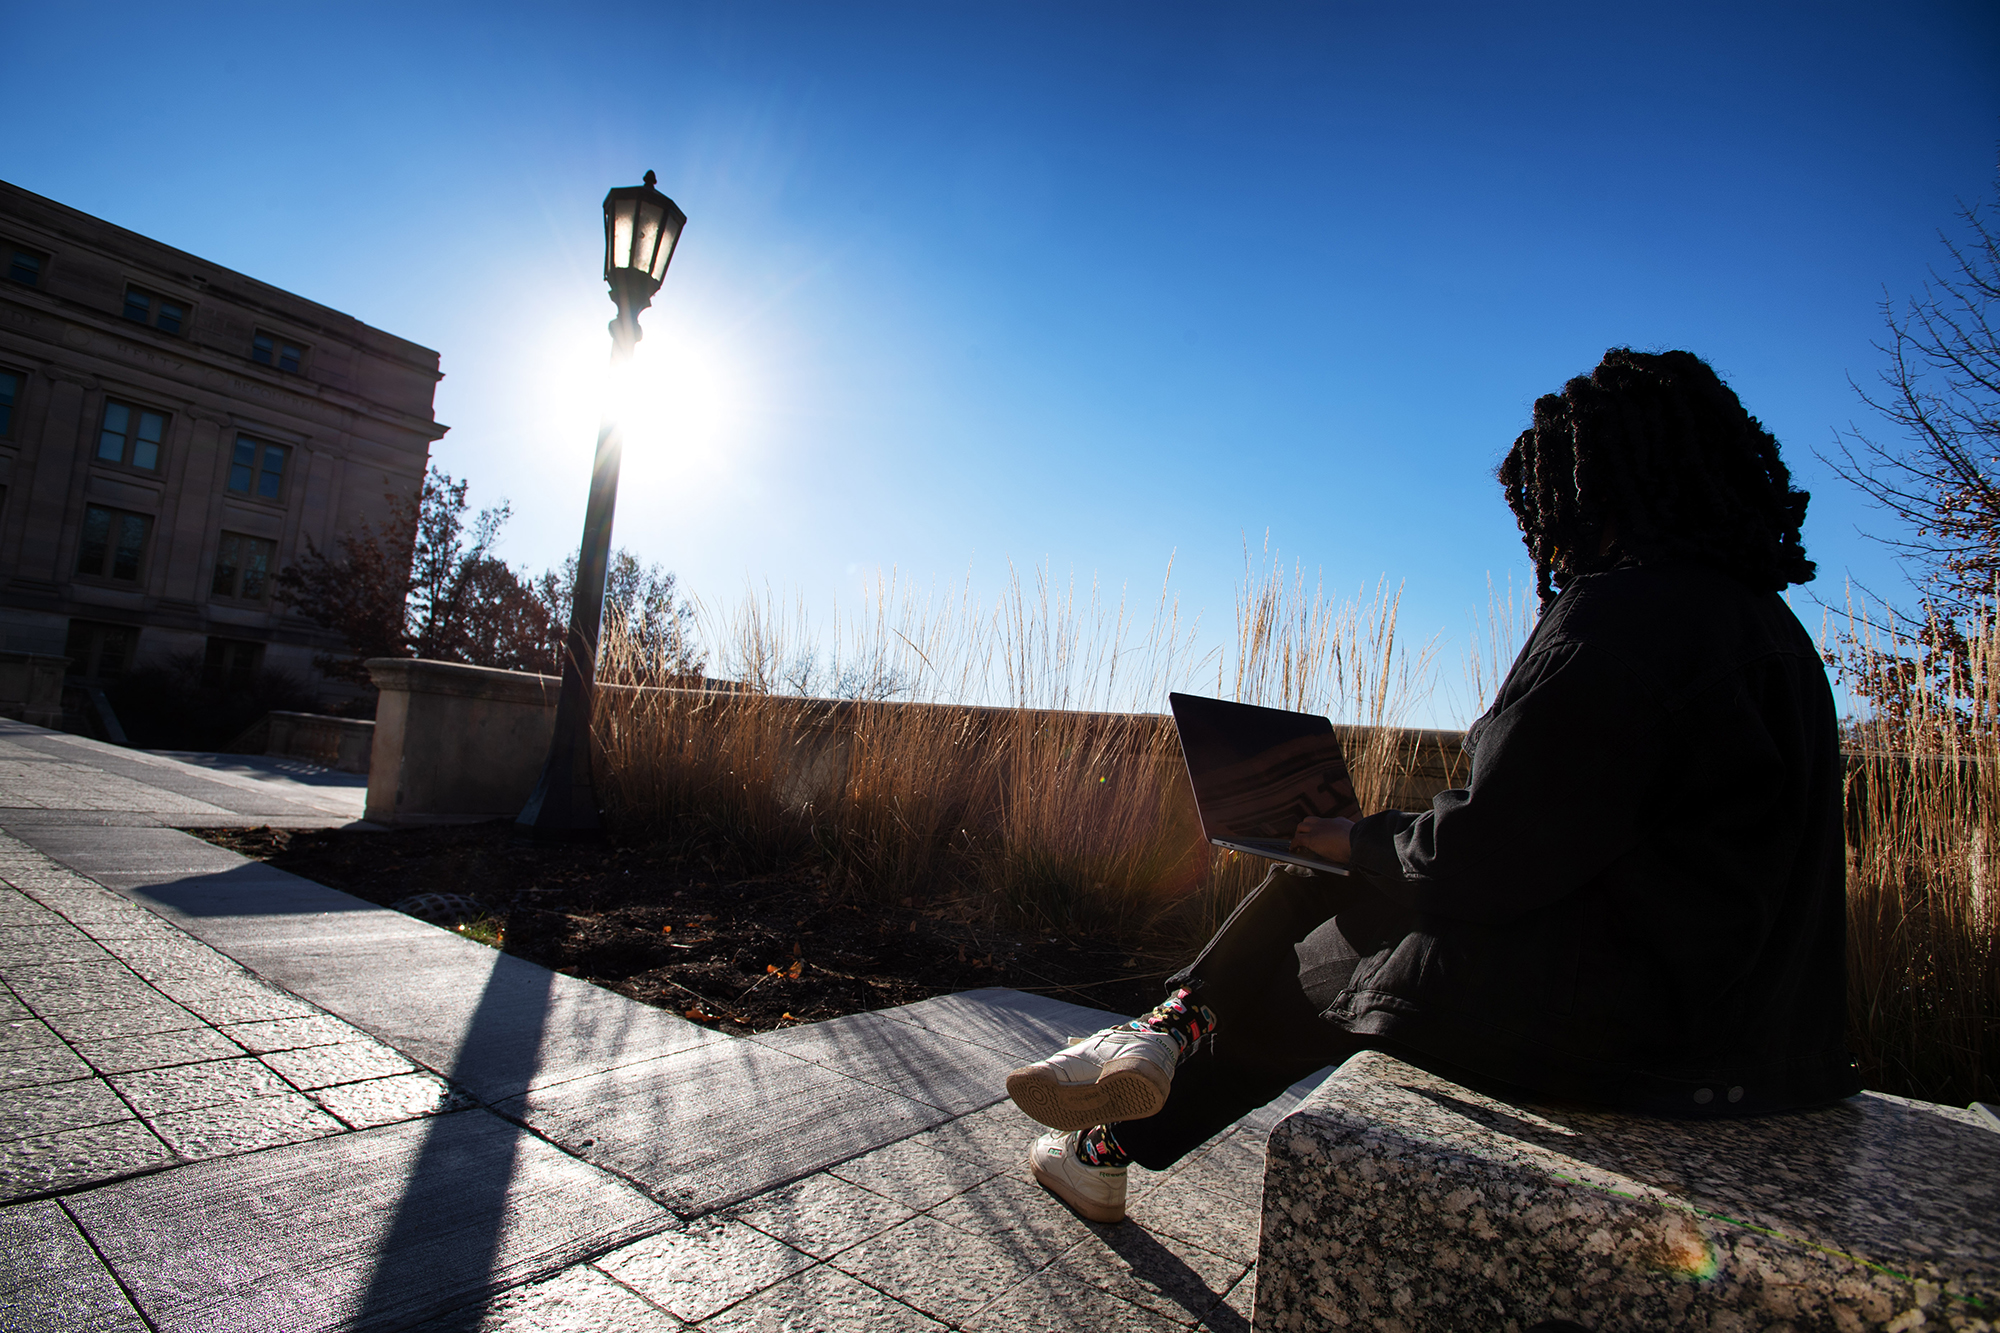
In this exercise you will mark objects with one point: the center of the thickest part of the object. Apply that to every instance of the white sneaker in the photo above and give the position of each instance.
(1117, 1074)
(1098, 1192)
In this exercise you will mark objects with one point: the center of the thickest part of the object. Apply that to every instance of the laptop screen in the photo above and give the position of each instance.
(1257, 772)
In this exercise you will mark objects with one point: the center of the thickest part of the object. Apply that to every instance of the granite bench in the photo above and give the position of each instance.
(1400, 1202)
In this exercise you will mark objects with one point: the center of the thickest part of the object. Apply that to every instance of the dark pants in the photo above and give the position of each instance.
(1270, 972)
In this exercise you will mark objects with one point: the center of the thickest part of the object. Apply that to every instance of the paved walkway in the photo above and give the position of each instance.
(233, 1099)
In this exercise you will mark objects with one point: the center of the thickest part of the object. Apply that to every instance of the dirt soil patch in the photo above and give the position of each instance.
(739, 952)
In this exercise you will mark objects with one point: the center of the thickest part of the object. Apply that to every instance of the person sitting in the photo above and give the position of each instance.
(1637, 900)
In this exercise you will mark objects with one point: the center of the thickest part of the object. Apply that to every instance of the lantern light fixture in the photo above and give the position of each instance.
(641, 229)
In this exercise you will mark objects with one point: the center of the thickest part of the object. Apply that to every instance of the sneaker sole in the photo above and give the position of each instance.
(1129, 1089)
(1056, 1185)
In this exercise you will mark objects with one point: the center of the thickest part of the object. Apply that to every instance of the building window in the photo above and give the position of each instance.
(267, 349)
(114, 543)
(131, 435)
(242, 567)
(257, 468)
(25, 266)
(231, 664)
(161, 312)
(10, 393)
(99, 651)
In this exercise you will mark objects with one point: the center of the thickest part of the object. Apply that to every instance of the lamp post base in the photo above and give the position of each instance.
(563, 806)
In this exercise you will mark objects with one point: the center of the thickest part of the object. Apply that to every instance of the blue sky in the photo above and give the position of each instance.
(1086, 284)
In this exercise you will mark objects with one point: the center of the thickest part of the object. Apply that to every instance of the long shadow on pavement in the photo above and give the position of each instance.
(446, 1235)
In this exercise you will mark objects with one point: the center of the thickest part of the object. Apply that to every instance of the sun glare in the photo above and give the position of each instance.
(685, 403)
(682, 401)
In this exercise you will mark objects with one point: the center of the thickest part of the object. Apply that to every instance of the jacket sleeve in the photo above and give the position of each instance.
(1561, 780)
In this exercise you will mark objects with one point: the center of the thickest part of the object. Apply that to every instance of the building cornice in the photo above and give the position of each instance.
(60, 221)
(219, 373)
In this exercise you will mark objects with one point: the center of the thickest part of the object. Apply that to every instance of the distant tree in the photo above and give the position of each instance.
(1941, 479)
(1938, 479)
(498, 621)
(427, 584)
(643, 611)
(359, 590)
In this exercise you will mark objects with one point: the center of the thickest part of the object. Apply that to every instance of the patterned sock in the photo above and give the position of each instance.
(1099, 1147)
(1180, 1018)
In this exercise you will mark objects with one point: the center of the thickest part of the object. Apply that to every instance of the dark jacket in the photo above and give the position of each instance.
(1639, 899)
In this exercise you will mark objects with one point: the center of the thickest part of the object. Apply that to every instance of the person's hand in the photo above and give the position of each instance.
(1328, 839)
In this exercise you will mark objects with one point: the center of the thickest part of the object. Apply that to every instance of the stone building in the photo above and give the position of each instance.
(172, 434)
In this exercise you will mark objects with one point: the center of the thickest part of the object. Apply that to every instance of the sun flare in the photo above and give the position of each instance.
(682, 400)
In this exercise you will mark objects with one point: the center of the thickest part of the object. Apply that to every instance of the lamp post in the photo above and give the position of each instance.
(641, 228)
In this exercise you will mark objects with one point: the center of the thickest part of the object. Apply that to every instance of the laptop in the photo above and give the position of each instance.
(1257, 772)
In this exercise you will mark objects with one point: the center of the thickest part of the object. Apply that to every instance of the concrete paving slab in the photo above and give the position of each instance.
(822, 1300)
(1233, 1167)
(313, 1067)
(47, 1163)
(373, 1230)
(1163, 1274)
(413, 985)
(1052, 1302)
(245, 1126)
(53, 770)
(821, 1215)
(916, 1062)
(34, 1067)
(946, 1273)
(912, 1174)
(123, 1055)
(1233, 1315)
(1224, 1225)
(51, 948)
(175, 955)
(50, 1279)
(152, 850)
(156, 1015)
(703, 1267)
(74, 988)
(1012, 1022)
(712, 1126)
(384, 1101)
(1018, 1214)
(157, 1092)
(577, 1300)
(226, 999)
(205, 903)
(290, 1034)
(996, 1138)
(50, 1108)
(46, 931)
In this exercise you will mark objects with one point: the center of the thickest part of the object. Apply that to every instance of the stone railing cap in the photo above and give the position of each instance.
(1885, 1179)
(417, 675)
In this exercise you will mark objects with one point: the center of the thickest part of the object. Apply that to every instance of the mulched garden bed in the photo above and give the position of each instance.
(738, 952)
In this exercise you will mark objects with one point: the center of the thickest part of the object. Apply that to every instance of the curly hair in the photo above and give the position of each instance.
(1659, 448)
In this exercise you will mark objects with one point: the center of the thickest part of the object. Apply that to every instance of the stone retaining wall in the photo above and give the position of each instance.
(459, 743)
(342, 743)
(31, 686)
